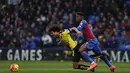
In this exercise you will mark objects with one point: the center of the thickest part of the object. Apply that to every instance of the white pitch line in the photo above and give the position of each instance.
(70, 69)
(64, 69)
(47, 69)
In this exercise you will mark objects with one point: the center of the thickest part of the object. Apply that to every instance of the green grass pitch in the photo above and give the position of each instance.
(58, 67)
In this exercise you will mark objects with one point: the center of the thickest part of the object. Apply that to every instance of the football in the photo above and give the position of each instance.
(14, 67)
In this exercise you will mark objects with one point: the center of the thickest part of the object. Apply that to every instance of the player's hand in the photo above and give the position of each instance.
(75, 29)
(71, 29)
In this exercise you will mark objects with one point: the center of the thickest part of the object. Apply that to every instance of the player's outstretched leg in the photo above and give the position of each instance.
(97, 50)
(87, 57)
(112, 67)
(81, 66)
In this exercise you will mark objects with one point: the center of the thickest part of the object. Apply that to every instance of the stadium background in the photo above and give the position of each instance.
(24, 28)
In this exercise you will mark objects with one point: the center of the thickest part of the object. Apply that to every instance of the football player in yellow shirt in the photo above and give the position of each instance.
(64, 35)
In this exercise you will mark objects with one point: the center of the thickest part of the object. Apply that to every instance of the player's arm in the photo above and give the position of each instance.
(79, 28)
(81, 25)
(76, 30)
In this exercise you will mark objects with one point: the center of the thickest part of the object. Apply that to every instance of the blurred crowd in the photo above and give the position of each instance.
(24, 23)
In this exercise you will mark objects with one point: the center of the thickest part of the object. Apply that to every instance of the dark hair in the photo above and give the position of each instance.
(55, 29)
(80, 13)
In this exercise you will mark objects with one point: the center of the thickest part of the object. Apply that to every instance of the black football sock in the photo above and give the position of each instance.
(84, 67)
(81, 66)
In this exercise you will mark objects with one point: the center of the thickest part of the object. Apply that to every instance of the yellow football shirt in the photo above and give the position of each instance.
(67, 39)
